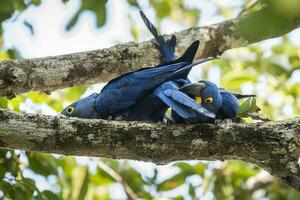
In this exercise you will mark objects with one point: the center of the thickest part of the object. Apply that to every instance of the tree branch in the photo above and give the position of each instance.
(52, 73)
(272, 145)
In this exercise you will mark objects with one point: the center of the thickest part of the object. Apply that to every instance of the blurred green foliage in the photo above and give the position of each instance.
(97, 7)
(272, 75)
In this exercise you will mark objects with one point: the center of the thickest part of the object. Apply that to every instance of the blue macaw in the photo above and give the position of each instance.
(181, 101)
(132, 97)
(184, 97)
(224, 104)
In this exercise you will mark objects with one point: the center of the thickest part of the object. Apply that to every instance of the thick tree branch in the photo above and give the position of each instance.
(52, 73)
(273, 145)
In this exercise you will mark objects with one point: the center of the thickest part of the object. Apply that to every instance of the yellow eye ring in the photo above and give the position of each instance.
(70, 110)
(198, 99)
(209, 100)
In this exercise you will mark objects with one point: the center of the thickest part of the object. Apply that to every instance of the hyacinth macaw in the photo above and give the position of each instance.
(181, 100)
(134, 96)
(222, 103)
(184, 97)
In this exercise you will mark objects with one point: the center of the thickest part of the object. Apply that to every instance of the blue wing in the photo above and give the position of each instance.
(124, 91)
(181, 103)
(127, 90)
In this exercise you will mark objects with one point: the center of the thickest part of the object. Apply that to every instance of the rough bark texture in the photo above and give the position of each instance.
(273, 145)
(52, 73)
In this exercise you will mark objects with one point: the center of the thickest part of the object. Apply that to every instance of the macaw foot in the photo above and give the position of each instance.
(168, 121)
(61, 116)
(231, 120)
(218, 121)
(237, 120)
(223, 121)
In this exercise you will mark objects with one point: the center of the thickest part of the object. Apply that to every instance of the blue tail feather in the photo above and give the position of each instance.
(166, 48)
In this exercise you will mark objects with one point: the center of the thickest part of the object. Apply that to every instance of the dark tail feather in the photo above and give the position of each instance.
(242, 96)
(239, 96)
(190, 53)
(166, 48)
(186, 70)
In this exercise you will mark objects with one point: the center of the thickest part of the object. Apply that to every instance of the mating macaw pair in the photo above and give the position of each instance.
(161, 93)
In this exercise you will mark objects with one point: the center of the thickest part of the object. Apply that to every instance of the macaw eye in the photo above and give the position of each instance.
(70, 110)
(209, 100)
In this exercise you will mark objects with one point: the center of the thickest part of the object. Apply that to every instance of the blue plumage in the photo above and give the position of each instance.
(224, 104)
(161, 92)
(166, 48)
(204, 94)
(131, 96)
(185, 106)
(230, 105)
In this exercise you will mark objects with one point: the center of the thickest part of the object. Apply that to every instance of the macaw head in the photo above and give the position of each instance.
(83, 108)
(230, 105)
(205, 93)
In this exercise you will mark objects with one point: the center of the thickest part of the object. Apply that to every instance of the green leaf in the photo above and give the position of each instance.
(2, 169)
(74, 93)
(171, 183)
(180, 197)
(24, 189)
(163, 8)
(100, 11)
(247, 107)
(15, 102)
(6, 188)
(114, 164)
(41, 163)
(13, 53)
(67, 163)
(98, 7)
(19, 5)
(39, 97)
(189, 169)
(3, 102)
(192, 191)
(101, 178)
(84, 186)
(133, 3)
(35, 2)
(11, 162)
(48, 195)
(6, 9)
(134, 179)
(73, 20)
(135, 33)
(200, 169)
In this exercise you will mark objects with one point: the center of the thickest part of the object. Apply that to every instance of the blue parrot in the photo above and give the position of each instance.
(181, 101)
(224, 104)
(132, 96)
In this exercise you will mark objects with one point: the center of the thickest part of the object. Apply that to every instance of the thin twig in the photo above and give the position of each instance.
(247, 8)
(131, 194)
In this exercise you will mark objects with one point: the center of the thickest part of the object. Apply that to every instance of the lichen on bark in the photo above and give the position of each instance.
(272, 145)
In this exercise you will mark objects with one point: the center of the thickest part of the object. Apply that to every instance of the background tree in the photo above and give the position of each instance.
(270, 69)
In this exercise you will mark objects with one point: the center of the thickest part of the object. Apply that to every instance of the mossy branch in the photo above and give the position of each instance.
(272, 145)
